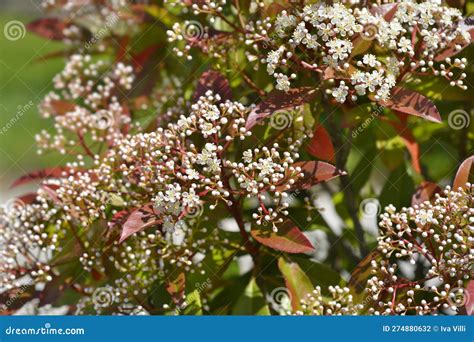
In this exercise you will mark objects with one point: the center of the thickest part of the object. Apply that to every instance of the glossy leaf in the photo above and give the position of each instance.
(139, 220)
(55, 172)
(175, 285)
(425, 192)
(321, 145)
(410, 102)
(216, 82)
(252, 301)
(279, 100)
(289, 238)
(296, 280)
(314, 173)
(465, 174)
(49, 28)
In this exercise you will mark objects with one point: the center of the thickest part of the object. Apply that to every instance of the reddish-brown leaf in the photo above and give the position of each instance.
(139, 220)
(55, 172)
(28, 198)
(424, 192)
(410, 143)
(288, 238)
(314, 173)
(410, 102)
(49, 28)
(451, 48)
(139, 59)
(279, 100)
(321, 145)
(465, 174)
(216, 82)
(61, 107)
(176, 285)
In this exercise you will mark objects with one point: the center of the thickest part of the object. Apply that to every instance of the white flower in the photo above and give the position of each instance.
(283, 82)
(247, 156)
(370, 60)
(340, 93)
(404, 44)
(212, 113)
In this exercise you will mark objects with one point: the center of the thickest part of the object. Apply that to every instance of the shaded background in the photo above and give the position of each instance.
(25, 77)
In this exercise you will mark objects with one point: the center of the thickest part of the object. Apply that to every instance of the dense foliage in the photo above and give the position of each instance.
(233, 157)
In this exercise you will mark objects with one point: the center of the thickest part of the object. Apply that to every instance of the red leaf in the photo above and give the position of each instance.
(451, 48)
(278, 100)
(50, 28)
(140, 58)
(314, 172)
(176, 285)
(61, 107)
(425, 192)
(28, 198)
(465, 174)
(321, 145)
(410, 102)
(410, 143)
(139, 220)
(55, 172)
(288, 238)
(215, 81)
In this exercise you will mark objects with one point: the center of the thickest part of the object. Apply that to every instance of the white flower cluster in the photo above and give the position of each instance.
(334, 38)
(86, 103)
(441, 234)
(340, 302)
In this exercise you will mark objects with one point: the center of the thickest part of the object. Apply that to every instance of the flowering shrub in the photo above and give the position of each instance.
(193, 191)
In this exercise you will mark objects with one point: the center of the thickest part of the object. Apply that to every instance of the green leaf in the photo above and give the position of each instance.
(398, 189)
(297, 282)
(192, 304)
(252, 302)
